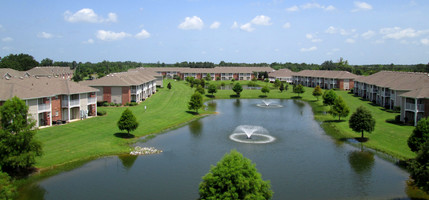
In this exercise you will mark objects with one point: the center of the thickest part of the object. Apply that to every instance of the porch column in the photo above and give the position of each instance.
(415, 112)
(50, 111)
(68, 108)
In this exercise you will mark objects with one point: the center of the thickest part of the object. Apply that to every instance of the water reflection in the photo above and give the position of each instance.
(33, 191)
(361, 161)
(196, 128)
(212, 105)
(237, 103)
(127, 161)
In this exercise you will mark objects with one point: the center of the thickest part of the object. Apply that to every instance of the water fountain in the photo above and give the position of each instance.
(251, 134)
(268, 104)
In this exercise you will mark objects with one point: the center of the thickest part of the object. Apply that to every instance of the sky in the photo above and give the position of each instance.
(362, 32)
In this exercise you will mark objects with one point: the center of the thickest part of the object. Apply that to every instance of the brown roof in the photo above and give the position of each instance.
(327, 74)
(30, 88)
(281, 73)
(396, 80)
(130, 78)
(11, 72)
(50, 71)
(421, 93)
(212, 70)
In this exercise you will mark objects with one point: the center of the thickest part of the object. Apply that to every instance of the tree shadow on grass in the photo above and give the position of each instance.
(263, 96)
(192, 112)
(334, 121)
(393, 121)
(234, 96)
(210, 96)
(124, 135)
(296, 97)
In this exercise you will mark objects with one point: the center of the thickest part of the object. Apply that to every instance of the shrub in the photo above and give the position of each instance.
(112, 104)
(105, 104)
(101, 112)
(218, 78)
(397, 109)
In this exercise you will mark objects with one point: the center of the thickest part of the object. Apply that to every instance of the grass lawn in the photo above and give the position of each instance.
(91, 138)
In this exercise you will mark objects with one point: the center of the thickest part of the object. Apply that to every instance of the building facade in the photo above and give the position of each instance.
(342, 80)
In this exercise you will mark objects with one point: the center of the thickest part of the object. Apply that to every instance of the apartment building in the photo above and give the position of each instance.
(51, 100)
(284, 75)
(342, 80)
(407, 90)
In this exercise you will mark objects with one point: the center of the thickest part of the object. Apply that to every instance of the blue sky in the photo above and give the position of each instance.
(362, 32)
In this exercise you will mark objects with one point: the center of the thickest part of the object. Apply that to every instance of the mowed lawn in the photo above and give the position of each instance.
(95, 137)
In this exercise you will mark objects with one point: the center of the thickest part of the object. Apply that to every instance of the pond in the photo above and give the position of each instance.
(301, 163)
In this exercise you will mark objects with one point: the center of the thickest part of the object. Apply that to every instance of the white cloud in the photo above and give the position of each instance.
(425, 41)
(399, 33)
(234, 25)
(313, 48)
(286, 25)
(192, 23)
(89, 41)
(361, 6)
(330, 8)
(7, 39)
(350, 41)
(313, 38)
(215, 25)
(143, 34)
(334, 30)
(261, 20)
(110, 36)
(369, 34)
(292, 9)
(88, 15)
(247, 27)
(45, 35)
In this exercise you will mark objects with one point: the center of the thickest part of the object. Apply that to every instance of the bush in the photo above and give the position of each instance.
(218, 78)
(101, 112)
(397, 109)
(112, 104)
(232, 80)
(105, 104)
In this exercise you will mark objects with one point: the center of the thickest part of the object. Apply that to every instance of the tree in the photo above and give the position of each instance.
(277, 83)
(282, 87)
(361, 121)
(7, 189)
(340, 108)
(420, 135)
(419, 168)
(299, 89)
(317, 92)
(196, 83)
(237, 89)
(47, 62)
(196, 102)
(200, 89)
(208, 77)
(203, 84)
(212, 89)
(18, 148)
(234, 177)
(20, 62)
(265, 90)
(169, 86)
(329, 97)
(127, 121)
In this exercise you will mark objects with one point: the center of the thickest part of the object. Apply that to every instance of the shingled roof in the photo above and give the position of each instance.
(30, 88)
(212, 70)
(281, 73)
(129, 78)
(327, 74)
(404, 81)
(50, 71)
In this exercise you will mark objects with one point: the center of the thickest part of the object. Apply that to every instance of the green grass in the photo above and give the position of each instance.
(95, 137)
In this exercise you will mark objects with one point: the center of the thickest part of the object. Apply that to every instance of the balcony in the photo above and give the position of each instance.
(92, 100)
(44, 107)
(133, 91)
(412, 106)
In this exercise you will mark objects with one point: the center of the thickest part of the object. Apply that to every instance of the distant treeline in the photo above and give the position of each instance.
(23, 62)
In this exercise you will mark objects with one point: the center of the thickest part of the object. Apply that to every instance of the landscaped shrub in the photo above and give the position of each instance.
(218, 78)
(398, 118)
(112, 104)
(134, 104)
(101, 112)
(105, 104)
(397, 109)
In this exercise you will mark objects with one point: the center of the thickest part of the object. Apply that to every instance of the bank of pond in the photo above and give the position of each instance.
(302, 161)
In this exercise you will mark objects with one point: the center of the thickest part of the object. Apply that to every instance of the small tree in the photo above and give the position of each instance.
(18, 148)
(286, 86)
(200, 89)
(282, 87)
(361, 121)
(277, 83)
(208, 77)
(420, 135)
(169, 86)
(299, 89)
(340, 108)
(317, 92)
(196, 82)
(265, 90)
(196, 102)
(419, 168)
(7, 189)
(127, 121)
(329, 97)
(203, 83)
(234, 177)
(212, 89)
(237, 89)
